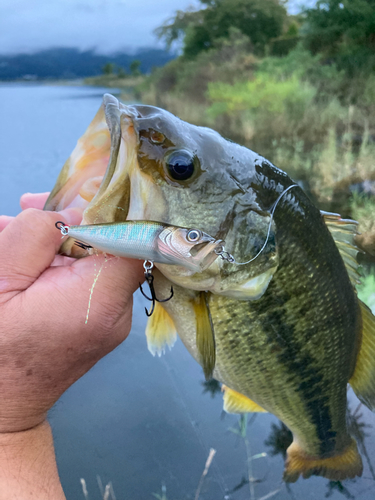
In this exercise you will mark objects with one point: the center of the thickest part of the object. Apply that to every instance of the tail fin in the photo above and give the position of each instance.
(345, 465)
(363, 379)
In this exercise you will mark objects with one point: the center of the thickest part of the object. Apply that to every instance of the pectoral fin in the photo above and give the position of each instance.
(235, 402)
(363, 379)
(160, 331)
(205, 338)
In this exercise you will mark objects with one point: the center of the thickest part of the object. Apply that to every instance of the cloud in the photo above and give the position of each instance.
(107, 25)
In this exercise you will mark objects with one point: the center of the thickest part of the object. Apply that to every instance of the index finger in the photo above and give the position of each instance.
(33, 200)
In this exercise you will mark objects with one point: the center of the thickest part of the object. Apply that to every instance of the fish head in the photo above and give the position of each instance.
(139, 162)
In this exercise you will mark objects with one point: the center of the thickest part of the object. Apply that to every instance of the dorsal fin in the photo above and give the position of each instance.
(343, 231)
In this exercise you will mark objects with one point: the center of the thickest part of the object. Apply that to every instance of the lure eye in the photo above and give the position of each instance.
(180, 165)
(193, 235)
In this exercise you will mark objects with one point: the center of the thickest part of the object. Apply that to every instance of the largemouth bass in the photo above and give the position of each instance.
(288, 329)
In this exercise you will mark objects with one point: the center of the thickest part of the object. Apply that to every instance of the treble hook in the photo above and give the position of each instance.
(150, 280)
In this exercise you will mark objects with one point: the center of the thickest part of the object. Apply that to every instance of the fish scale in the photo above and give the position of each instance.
(296, 371)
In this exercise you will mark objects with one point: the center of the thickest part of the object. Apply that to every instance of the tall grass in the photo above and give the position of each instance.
(305, 116)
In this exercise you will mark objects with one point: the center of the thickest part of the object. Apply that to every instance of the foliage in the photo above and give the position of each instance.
(362, 208)
(259, 20)
(231, 57)
(121, 73)
(135, 67)
(344, 30)
(332, 24)
(108, 68)
(366, 291)
(310, 111)
(263, 94)
(73, 63)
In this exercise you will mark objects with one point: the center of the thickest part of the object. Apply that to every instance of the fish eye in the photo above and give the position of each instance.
(157, 137)
(194, 235)
(180, 165)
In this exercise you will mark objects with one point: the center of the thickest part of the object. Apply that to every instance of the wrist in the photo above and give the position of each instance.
(28, 466)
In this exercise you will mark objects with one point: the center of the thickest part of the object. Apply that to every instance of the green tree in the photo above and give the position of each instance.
(336, 26)
(108, 68)
(135, 67)
(260, 20)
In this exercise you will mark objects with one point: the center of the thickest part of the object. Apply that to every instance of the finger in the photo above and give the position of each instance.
(31, 200)
(4, 221)
(28, 246)
(56, 306)
(100, 286)
(61, 260)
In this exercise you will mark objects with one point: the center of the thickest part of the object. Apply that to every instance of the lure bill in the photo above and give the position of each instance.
(148, 240)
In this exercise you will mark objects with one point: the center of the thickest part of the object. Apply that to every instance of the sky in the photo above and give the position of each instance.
(105, 25)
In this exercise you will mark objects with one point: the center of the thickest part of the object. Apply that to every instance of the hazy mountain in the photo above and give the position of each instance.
(73, 63)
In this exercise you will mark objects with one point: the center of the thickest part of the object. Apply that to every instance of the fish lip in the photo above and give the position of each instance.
(124, 140)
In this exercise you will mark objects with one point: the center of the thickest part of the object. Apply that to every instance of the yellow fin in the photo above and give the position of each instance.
(343, 231)
(363, 379)
(345, 465)
(235, 402)
(160, 331)
(205, 338)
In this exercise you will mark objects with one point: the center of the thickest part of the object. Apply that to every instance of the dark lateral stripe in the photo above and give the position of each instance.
(300, 367)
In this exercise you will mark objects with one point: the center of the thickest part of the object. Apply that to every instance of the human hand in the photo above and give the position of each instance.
(45, 345)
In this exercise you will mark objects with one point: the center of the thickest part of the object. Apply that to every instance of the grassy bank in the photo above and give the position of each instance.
(308, 117)
(126, 85)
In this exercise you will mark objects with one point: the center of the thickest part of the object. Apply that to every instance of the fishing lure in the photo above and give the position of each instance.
(149, 241)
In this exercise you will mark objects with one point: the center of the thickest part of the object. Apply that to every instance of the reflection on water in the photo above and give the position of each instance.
(279, 439)
(212, 387)
(147, 424)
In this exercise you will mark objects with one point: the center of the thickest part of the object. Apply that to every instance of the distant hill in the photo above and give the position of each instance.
(71, 63)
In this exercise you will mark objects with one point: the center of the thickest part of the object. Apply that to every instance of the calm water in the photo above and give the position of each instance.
(138, 421)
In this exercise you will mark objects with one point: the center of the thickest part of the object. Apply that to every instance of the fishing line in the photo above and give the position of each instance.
(221, 252)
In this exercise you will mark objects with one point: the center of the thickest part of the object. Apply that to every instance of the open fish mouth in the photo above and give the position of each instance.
(97, 175)
(103, 178)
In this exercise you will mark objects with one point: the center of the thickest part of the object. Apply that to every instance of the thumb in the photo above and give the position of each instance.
(28, 246)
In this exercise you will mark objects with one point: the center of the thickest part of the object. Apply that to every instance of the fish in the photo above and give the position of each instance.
(148, 240)
(279, 324)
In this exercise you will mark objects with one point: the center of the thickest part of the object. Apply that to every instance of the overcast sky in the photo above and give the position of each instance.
(106, 25)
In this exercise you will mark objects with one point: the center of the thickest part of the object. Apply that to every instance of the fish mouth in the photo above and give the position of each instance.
(112, 200)
(97, 176)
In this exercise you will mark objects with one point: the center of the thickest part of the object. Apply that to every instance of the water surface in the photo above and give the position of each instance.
(138, 421)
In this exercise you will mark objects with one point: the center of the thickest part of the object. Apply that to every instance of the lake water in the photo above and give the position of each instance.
(138, 421)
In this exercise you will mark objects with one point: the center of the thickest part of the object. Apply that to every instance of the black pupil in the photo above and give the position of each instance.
(193, 235)
(180, 165)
